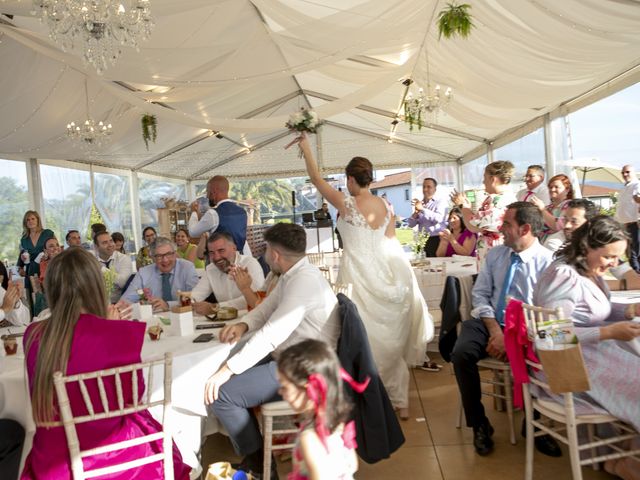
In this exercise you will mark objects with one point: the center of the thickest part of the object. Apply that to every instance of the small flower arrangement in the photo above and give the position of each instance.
(420, 238)
(109, 279)
(144, 296)
(303, 121)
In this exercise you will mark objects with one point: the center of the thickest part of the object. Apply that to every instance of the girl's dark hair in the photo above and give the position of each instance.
(299, 361)
(458, 213)
(149, 228)
(361, 170)
(595, 233)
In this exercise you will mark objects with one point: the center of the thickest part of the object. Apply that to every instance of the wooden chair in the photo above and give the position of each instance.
(316, 259)
(106, 411)
(501, 391)
(346, 289)
(560, 419)
(268, 412)
(327, 273)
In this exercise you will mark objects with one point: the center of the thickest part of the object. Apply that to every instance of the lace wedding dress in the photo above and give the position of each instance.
(388, 299)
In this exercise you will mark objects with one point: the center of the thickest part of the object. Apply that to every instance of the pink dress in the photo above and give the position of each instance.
(97, 344)
(461, 239)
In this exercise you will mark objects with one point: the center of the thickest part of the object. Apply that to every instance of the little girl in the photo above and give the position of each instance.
(310, 381)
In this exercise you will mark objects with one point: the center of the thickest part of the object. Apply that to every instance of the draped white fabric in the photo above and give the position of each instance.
(241, 67)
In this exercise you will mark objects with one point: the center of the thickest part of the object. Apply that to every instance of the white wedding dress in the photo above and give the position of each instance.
(388, 299)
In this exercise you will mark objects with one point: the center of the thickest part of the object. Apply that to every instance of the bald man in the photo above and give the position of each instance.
(627, 213)
(224, 216)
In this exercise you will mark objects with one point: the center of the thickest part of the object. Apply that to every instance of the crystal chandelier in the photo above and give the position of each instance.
(97, 28)
(424, 108)
(89, 134)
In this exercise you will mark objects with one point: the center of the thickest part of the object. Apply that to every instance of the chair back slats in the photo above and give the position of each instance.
(134, 388)
(345, 288)
(85, 395)
(316, 259)
(119, 387)
(119, 392)
(103, 394)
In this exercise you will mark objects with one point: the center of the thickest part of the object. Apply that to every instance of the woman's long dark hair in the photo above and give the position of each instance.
(595, 233)
(309, 357)
(458, 213)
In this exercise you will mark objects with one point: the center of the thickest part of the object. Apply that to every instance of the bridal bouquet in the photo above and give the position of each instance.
(302, 121)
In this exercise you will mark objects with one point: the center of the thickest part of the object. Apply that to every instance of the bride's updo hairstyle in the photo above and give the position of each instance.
(598, 232)
(503, 170)
(361, 170)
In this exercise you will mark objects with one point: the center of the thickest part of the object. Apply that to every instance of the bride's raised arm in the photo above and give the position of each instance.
(331, 195)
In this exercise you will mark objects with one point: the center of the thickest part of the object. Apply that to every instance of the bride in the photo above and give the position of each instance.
(384, 286)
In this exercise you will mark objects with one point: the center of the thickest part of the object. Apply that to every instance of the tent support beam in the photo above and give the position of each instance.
(386, 113)
(238, 155)
(177, 148)
(395, 140)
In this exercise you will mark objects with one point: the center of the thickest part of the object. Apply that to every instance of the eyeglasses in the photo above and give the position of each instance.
(162, 256)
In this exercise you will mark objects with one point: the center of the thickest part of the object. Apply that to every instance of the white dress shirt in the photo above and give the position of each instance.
(209, 223)
(541, 191)
(627, 208)
(18, 316)
(555, 241)
(119, 263)
(224, 287)
(301, 306)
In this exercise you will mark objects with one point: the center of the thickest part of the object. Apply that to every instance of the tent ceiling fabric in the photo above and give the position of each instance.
(241, 67)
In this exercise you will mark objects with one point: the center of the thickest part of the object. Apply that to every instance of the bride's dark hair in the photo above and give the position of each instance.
(361, 170)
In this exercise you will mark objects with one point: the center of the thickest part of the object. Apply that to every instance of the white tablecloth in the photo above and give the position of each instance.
(193, 363)
(627, 297)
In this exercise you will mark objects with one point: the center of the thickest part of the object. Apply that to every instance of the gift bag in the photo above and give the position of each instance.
(565, 369)
(224, 471)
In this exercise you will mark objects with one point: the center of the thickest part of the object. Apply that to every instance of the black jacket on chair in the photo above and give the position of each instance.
(378, 431)
(450, 307)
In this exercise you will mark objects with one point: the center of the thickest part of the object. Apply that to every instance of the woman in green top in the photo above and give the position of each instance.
(32, 244)
(185, 249)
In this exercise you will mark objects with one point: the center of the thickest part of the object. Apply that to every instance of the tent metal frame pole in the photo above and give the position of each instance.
(34, 184)
(135, 210)
(549, 155)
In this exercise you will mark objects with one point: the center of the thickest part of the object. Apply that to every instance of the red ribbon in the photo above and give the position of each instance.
(358, 387)
(317, 393)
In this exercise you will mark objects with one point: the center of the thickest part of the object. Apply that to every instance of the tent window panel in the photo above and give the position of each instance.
(66, 195)
(14, 202)
(527, 150)
(112, 200)
(151, 192)
(473, 173)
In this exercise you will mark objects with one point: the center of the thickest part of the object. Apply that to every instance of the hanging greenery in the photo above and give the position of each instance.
(413, 113)
(149, 129)
(455, 20)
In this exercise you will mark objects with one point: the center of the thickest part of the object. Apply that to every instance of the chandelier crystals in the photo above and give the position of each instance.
(98, 29)
(90, 135)
(425, 106)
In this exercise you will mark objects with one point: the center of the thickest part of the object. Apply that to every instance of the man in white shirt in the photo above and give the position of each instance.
(224, 259)
(534, 179)
(627, 213)
(110, 259)
(12, 310)
(578, 212)
(301, 306)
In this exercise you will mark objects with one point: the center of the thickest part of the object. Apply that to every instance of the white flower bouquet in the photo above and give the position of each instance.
(301, 121)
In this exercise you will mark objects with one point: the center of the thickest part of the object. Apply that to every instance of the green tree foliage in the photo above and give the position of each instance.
(14, 202)
(273, 196)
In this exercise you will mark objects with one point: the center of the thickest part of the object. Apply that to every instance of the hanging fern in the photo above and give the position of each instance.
(149, 129)
(455, 20)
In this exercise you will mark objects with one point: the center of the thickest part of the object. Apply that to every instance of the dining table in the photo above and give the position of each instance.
(192, 365)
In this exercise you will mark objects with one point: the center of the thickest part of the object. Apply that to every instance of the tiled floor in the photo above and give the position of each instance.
(435, 449)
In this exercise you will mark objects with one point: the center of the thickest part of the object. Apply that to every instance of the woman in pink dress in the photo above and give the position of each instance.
(457, 239)
(83, 334)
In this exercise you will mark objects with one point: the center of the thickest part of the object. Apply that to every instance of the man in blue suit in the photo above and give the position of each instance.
(224, 216)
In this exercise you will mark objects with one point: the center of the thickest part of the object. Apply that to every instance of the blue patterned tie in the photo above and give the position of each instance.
(166, 287)
(508, 279)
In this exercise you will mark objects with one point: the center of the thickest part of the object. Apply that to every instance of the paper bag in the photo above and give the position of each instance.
(565, 369)
(224, 471)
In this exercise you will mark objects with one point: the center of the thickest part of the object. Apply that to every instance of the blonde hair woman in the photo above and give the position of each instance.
(83, 334)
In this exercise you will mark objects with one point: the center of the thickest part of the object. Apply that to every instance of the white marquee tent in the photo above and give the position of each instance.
(222, 77)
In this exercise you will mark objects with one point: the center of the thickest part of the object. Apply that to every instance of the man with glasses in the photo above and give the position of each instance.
(627, 213)
(220, 276)
(164, 277)
(534, 180)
